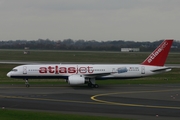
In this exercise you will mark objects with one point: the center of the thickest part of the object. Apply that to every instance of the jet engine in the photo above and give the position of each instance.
(76, 79)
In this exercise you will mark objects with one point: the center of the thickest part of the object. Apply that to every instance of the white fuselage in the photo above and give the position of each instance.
(97, 71)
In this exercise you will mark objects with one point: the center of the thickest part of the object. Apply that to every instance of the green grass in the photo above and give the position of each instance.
(70, 56)
(6, 114)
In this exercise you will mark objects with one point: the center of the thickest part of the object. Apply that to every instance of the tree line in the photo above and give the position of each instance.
(86, 45)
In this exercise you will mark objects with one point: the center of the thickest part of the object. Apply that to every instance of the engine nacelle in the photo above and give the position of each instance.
(76, 79)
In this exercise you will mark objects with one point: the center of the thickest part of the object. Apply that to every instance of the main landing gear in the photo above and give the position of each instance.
(27, 83)
(92, 84)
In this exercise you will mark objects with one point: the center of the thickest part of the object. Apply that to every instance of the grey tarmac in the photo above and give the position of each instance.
(127, 101)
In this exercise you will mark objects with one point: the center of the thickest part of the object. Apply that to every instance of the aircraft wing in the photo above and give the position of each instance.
(98, 74)
(161, 69)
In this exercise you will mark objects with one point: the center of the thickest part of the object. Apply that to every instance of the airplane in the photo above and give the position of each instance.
(76, 74)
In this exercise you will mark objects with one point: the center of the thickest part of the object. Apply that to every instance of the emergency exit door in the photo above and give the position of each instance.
(142, 70)
(25, 70)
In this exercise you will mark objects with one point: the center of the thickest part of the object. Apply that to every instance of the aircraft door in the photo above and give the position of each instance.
(142, 70)
(114, 70)
(24, 69)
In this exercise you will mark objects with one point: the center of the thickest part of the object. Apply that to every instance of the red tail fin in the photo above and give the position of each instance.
(159, 55)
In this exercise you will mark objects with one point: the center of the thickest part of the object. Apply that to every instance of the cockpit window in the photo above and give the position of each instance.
(14, 70)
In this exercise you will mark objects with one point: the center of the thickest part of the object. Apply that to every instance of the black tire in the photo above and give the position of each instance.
(89, 84)
(92, 86)
(96, 85)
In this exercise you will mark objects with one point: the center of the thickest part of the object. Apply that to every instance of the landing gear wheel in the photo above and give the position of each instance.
(27, 85)
(93, 85)
(89, 85)
(96, 85)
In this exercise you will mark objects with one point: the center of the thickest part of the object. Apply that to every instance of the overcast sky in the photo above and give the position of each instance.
(138, 20)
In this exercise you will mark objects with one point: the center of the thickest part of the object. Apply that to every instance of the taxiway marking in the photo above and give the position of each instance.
(46, 99)
(98, 101)
(133, 105)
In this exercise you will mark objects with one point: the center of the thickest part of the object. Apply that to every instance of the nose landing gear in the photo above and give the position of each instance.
(27, 83)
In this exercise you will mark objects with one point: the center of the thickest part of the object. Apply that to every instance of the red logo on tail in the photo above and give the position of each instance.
(159, 55)
(157, 52)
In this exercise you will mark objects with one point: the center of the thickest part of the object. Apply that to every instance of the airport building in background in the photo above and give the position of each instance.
(130, 49)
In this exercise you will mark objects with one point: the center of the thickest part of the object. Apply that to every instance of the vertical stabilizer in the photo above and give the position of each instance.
(159, 55)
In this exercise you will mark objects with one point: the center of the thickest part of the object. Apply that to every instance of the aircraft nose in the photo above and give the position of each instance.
(9, 74)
